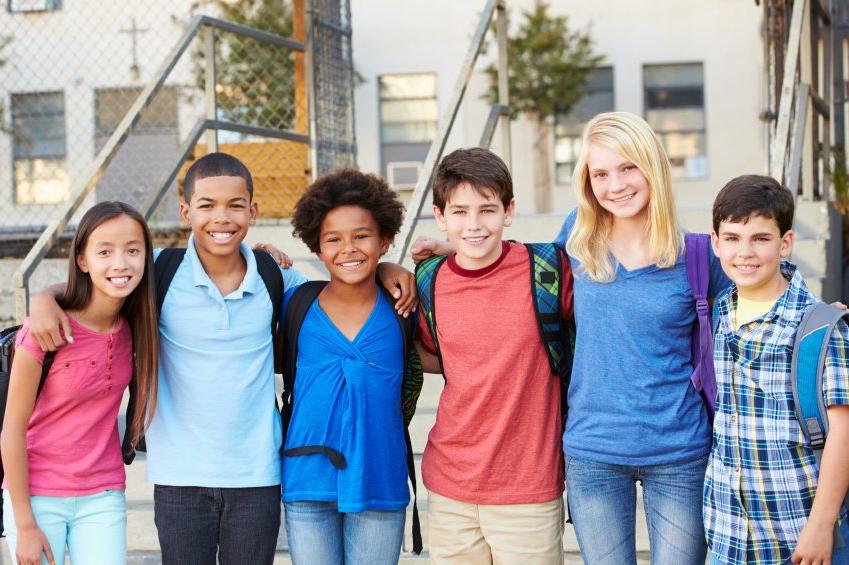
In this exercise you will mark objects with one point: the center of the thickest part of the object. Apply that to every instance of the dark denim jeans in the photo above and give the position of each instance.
(198, 524)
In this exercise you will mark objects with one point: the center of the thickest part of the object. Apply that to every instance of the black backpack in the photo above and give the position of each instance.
(296, 310)
(165, 267)
(7, 354)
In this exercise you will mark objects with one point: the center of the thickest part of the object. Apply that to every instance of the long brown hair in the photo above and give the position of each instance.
(139, 308)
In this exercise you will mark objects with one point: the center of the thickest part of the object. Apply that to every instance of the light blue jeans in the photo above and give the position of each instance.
(92, 527)
(603, 501)
(321, 535)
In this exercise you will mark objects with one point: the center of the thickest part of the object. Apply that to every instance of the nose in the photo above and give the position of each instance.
(617, 182)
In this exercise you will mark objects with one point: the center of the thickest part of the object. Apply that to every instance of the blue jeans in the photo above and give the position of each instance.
(93, 527)
(196, 524)
(603, 499)
(321, 535)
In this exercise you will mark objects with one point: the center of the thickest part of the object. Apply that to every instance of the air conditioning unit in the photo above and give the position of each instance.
(403, 175)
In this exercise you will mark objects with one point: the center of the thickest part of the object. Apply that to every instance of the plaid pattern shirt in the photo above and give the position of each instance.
(762, 474)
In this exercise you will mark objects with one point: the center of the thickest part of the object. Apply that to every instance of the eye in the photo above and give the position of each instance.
(362, 236)
(459, 212)
(599, 175)
(205, 206)
(134, 251)
(762, 238)
(103, 252)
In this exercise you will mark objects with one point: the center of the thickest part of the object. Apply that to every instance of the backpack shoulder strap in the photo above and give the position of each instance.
(547, 289)
(164, 269)
(296, 310)
(270, 273)
(426, 272)
(697, 261)
(45, 369)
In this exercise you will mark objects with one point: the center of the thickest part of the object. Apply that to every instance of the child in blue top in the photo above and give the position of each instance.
(344, 465)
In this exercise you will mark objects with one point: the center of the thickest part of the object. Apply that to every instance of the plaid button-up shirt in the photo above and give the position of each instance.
(762, 474)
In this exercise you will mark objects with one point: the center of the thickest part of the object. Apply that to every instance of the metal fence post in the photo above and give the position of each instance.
(503, 81)
(309, 61)
(210, 80)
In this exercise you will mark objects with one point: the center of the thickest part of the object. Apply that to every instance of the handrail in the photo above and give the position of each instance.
(446, 123)
(495, 113)
(50, 235)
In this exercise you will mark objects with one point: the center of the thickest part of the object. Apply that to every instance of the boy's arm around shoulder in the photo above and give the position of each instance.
(49, 324)
(816, 538)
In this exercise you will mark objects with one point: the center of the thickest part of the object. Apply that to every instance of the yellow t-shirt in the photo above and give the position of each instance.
(748, 310)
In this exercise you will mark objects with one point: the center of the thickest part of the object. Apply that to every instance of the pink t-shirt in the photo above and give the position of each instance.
(496, 439)
(73, 447)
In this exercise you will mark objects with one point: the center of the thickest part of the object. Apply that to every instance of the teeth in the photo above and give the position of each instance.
(624, 198)
(351, 264)
(119, 280)
(220, 235)
(747, 267)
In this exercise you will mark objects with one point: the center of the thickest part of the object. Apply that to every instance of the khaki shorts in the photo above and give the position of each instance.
(506, 534)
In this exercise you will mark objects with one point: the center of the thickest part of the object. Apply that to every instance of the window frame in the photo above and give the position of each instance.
(48, 6)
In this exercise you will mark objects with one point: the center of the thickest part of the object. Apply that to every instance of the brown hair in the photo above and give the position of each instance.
(139, 308)
(754, 195)
(347, 187)
(479, 167)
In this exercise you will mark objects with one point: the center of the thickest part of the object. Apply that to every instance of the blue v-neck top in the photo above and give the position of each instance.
(630, 399)
(347, 397)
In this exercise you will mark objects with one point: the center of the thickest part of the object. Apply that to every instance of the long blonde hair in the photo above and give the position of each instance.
(630, 136)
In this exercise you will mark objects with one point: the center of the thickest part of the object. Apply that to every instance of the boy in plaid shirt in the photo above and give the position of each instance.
(765, 501)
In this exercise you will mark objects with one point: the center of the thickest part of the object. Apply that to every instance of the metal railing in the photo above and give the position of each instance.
(499, 115)
(207, 127)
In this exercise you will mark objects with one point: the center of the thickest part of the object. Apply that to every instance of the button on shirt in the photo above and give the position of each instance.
(762, 475)
(216, 423)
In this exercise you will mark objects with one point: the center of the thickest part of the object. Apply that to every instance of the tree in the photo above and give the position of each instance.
(548, 65)
(256, 81)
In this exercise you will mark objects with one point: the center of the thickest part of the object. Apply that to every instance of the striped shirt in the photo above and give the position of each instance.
(762, 474)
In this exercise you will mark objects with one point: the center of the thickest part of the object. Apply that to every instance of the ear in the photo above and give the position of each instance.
(254, 211)
(714, 242)
(384, 245)
(440, 219)
(81, 263)
(786, 247)
(184, 212)
(508, 213)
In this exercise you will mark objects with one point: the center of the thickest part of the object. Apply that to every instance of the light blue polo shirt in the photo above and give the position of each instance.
(216, 423)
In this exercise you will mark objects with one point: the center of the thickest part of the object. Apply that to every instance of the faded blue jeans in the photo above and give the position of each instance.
(603, 502)
(319, 534)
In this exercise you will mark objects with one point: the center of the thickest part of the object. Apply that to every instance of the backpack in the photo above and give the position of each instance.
(299, 304)
(557, 336)
(697, 258)
(7, 354)
(810, 349)
(165, 267)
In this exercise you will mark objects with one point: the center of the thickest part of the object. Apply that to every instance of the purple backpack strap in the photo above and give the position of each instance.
(697, 250)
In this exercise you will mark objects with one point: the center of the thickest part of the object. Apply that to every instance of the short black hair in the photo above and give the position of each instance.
(346, 187)
(754, 195)
(216, 165)
(479, 167)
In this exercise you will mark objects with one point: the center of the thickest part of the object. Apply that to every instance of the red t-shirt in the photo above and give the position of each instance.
(496, 439)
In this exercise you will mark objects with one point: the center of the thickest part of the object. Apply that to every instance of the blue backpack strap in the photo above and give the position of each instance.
(697, 259)
(810, 350)
(426, 286)
(547, 290)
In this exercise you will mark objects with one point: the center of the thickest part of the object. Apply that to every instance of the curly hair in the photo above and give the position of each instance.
(346, 187)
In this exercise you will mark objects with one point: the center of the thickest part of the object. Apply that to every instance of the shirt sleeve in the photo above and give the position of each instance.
(566, 228)
(567, 296)
(836, 377)
(25, 341)
(156, 253)
(292, 278)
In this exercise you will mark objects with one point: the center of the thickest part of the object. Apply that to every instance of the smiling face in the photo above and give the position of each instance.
(474, 223)
(114, 258)
(219, 213)
(617, 183)
(351, 245)
(750, 252)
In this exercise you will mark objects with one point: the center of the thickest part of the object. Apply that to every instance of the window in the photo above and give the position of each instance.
(112, 104)
(597, 98)
(408, 119)
(33, 5)
(38, 148)
(675, 108)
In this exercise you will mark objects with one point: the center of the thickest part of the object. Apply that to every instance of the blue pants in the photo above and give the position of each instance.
(603, 499)
(198, 524)
(92, 527)
(321, 535)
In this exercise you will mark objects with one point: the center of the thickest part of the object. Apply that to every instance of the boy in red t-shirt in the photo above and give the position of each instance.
(493, 464)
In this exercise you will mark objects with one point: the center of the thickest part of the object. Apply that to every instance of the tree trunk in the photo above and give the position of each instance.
(542, 164)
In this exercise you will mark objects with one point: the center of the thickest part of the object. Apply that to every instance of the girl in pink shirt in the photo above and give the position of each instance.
(61, 452)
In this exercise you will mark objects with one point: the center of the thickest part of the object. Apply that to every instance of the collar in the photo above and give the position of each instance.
(201, 278)
(473, 273)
